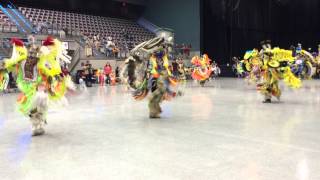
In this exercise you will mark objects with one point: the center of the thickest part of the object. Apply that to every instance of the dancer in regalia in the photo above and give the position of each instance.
(181, 71)
(304, 65)
(39, 78)
(4, 78)
(201, 69)
(147, 71)
(270, 66)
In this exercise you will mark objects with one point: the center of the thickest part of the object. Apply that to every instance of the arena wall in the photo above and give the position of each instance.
(183, 16)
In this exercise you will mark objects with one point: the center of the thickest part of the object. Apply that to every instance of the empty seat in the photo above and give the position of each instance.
(86, 24)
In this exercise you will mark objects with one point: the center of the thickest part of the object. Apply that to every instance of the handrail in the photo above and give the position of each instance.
(75, 59)
(17, 13)
(148, 25)
(4, 10)
(152, 27)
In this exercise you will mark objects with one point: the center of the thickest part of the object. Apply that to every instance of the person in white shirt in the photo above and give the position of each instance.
(31, 39)
(109, 46)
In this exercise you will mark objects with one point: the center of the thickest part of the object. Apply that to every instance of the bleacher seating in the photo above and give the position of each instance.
(6, 25)
(89, 25)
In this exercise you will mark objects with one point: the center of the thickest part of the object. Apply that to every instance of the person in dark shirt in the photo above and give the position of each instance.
(117, 72)
(175, 68)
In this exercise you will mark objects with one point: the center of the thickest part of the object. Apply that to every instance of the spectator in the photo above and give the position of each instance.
(117, 72)
(89, 74)
(88, 47)
(66, 31)
(125, 34)
(115, 51)
(109, 46)
(38, 27)
(98, 37)
(96, 41)
(62, 34)
(31, 39)
(100, 74)
(55, 27)
(81, 74)
(88, 63)
(175, 68)
(113, 79)
(216, 71)
(107, 72)
(96, 45)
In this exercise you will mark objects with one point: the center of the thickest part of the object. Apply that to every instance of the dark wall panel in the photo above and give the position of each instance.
(232, 26)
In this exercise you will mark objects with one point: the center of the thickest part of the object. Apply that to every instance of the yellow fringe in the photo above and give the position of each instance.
(291, 80)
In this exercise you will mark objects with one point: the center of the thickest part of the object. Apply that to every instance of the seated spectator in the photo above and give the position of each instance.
(115, 52)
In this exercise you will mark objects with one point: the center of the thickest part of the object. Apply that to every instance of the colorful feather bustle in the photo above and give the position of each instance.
(46, 74)
(291, 80)
(270, 66)
(202, 70)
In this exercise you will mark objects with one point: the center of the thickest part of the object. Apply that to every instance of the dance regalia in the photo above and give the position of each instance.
(181, 71)
(39, 78)
(240, 71)
(304, 63)
(317, 59)
(151, 75)
(274, 65)
(202, 70)
(4, 79)
(251, 66)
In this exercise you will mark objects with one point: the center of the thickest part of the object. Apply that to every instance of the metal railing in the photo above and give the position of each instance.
(4, 10)
(15, 10)
(75, 59)
(148, 25)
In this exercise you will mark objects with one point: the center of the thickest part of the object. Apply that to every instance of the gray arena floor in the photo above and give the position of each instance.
(218, 132)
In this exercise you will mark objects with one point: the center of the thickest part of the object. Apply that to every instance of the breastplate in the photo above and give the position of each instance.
(29, 68)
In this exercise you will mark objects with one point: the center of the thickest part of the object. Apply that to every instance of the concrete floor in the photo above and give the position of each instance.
(219, 132)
